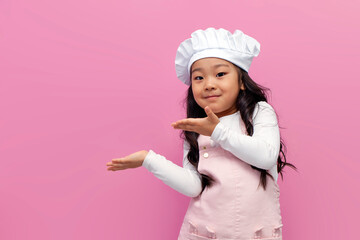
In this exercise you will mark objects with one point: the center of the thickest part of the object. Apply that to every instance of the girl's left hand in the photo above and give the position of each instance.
(203, 126)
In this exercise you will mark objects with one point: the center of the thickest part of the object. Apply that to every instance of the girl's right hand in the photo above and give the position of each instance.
(133, 160)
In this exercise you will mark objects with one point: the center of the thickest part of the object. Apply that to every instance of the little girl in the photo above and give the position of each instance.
(232, 143)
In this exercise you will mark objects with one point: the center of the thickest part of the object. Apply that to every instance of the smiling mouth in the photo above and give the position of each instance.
(212, 97)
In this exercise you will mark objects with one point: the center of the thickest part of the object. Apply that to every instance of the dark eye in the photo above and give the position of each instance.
(196, 78)
(221, 73)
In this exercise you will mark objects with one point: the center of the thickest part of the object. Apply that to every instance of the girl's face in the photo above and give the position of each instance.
(215, 84)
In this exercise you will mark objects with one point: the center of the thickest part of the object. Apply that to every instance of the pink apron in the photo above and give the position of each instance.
(234, 207)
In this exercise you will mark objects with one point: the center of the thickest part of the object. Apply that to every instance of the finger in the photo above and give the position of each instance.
(176, 125)
(112, 162)
(188, 122)
(112, 169)
(118, 160)
(115, 168)
(192, 122)
(210, 113)
(185, 127)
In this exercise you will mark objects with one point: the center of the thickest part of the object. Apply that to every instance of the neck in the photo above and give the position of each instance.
(226, 112)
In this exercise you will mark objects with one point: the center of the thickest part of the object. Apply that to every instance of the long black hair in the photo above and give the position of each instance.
(245, 103)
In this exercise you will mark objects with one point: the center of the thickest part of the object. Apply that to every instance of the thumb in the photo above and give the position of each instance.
(210, 113)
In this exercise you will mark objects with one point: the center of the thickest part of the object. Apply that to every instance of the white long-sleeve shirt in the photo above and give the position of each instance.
(260, 150)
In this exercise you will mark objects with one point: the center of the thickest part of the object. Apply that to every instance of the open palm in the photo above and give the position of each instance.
(204, 126)
(133, 160)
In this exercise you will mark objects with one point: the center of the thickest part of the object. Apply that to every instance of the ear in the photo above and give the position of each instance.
(242, 87)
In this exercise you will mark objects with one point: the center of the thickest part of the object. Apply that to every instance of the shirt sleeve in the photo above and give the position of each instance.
(262, 148)
(185, 180)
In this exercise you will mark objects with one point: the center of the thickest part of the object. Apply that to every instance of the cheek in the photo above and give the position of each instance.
(232, 96)
(235, 95)
(234, 89)
(197, 97)
(196, 93)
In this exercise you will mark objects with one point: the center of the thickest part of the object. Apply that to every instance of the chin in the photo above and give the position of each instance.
(213, 109)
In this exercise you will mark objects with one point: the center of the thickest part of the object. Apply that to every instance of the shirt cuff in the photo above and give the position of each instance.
(215, 135)
(148, 158)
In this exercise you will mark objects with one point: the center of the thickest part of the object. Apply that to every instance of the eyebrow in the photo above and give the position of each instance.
(215, 66)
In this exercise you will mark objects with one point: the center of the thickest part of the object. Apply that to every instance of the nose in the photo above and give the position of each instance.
(209, 84)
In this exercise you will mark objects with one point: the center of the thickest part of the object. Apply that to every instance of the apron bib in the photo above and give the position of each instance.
(234, 207)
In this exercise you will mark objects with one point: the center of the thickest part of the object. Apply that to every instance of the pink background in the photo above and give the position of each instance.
(82, 82)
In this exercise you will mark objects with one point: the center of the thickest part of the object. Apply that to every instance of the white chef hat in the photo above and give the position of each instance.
(237, 48)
